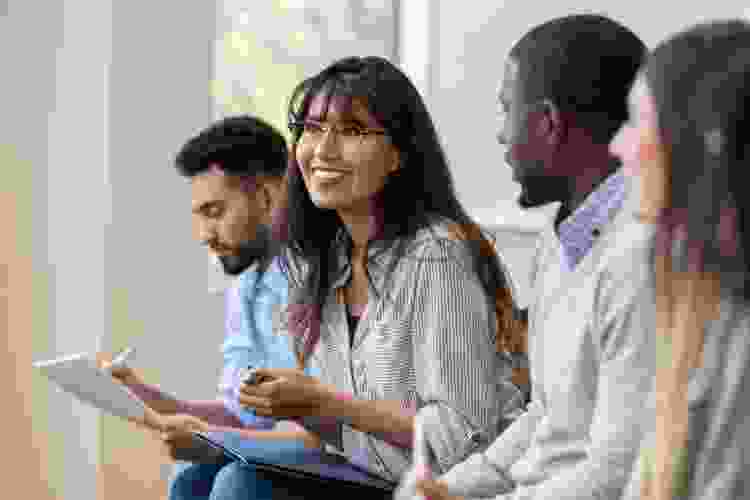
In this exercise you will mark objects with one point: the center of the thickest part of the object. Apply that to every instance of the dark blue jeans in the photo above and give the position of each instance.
(223, 481)
(230, 480)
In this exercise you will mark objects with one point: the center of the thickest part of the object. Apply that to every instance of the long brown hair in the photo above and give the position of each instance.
(699, 82)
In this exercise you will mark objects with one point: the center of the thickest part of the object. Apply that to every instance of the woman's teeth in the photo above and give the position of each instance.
(328, 174)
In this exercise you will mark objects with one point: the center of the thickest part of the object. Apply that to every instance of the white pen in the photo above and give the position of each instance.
(121, 359)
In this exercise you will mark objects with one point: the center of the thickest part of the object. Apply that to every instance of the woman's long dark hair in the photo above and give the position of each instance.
(698, 82)
(414, 196)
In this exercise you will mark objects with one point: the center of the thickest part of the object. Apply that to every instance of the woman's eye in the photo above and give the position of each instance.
(351, 131)
(312, 128)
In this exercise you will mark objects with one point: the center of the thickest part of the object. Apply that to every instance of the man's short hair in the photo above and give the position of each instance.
(585, 64)
(243, 146)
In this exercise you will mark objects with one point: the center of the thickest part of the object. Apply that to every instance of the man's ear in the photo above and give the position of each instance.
(268, 194)
(551, 125)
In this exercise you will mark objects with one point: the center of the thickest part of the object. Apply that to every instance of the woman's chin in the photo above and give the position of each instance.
(325, 201)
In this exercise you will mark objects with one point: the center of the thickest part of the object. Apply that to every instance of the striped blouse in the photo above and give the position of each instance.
(427, 340)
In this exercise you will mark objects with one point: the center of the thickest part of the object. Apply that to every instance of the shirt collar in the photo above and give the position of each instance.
(377, 256)
(579, 231)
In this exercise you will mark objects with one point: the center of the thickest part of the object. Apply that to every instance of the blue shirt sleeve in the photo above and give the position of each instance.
(251, 339)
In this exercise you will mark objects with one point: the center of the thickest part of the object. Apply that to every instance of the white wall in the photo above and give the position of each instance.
(159, 85)
(97, 97)
(55, 119)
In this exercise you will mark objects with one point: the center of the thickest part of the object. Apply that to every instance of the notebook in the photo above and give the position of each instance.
(80, 376)
(312, 465)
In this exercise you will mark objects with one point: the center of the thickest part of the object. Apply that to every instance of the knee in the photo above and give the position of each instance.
(235, 472)
(191, 481)
(237, 482)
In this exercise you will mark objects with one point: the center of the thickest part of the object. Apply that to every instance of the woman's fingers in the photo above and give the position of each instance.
(269, 389)
(255, 402)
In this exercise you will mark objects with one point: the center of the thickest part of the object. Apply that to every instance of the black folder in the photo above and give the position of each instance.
(314, 471)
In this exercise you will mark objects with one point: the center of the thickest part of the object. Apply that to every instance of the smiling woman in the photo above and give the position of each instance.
(396, 309)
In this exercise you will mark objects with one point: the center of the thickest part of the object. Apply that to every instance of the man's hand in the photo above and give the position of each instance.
(434, 490)
(153, 397)
(124, 374)
(181, 444)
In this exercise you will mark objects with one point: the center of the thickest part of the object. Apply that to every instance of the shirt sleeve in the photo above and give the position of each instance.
(485, 474)
(239, 352)
(458, 371)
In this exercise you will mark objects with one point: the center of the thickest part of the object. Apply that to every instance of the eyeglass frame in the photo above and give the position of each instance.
(298, 128)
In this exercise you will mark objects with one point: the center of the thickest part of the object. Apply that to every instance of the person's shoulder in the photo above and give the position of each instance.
(624, 270)
(247, 278)
(440, 240)
(628, 247)
(264, 278)
(626, 237)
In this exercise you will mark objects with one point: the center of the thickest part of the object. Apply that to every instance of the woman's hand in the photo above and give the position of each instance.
(284, 393)
(430, 489)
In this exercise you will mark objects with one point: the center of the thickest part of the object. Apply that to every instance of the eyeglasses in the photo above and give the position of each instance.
(313, 132)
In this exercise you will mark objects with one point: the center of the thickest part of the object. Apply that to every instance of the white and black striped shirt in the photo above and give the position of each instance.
(427, 340)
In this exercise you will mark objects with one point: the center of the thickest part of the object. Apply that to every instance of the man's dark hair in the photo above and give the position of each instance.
(240, 145)
(585, 64)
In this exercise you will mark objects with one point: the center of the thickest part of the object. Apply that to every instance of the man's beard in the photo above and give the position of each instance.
(539, 190)
(248, 253)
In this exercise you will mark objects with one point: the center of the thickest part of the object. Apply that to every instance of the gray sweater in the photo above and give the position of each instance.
(719, 413)
(592, 357)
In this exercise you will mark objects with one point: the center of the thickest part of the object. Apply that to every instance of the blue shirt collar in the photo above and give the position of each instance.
(580, 230)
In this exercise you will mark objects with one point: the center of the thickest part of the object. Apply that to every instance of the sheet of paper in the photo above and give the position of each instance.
(80, 376)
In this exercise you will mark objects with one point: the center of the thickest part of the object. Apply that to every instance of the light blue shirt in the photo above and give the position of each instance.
(251, 339)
